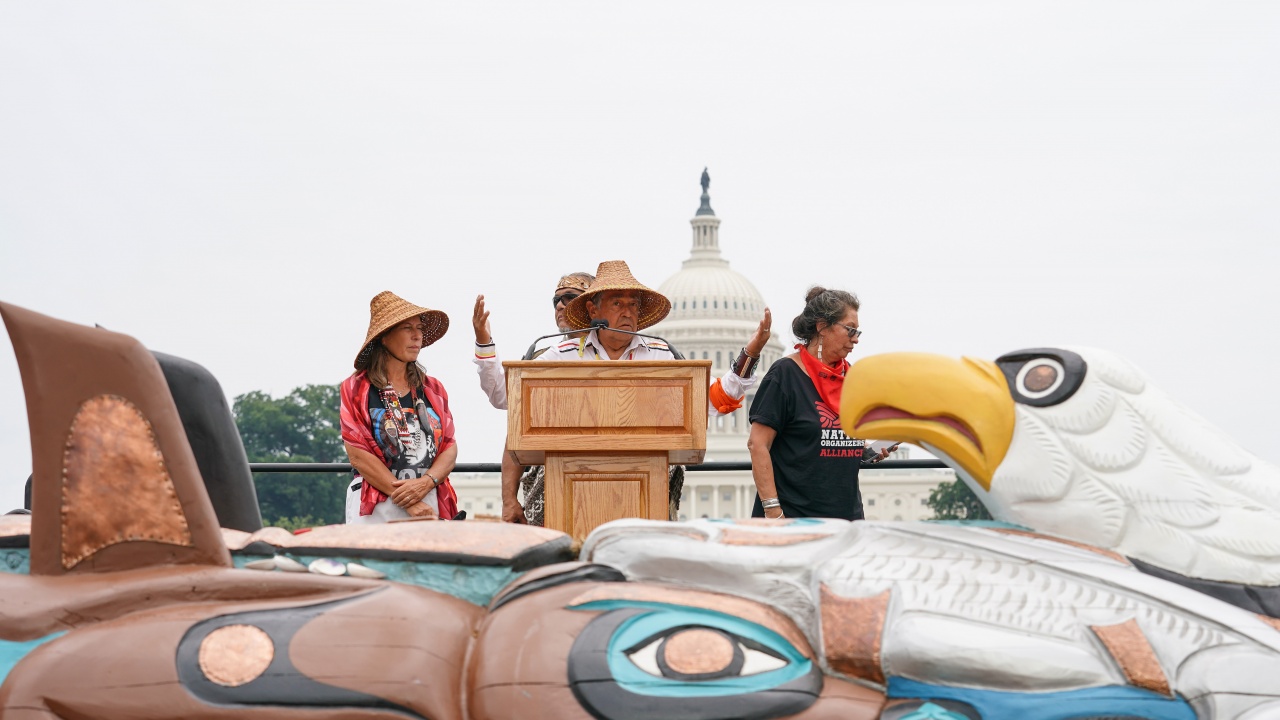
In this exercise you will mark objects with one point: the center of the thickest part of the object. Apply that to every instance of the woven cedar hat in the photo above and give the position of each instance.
(575, 281)
(386, 310)
(615, 275)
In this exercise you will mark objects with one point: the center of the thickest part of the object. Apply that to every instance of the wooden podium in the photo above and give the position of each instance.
(606, 432)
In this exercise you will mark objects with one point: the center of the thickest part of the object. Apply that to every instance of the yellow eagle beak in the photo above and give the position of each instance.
(960, 407)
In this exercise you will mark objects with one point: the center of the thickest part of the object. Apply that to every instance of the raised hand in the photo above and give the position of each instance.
(480, 321)
(761, 336)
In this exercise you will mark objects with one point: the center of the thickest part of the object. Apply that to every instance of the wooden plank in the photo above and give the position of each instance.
(634, 406)
(608, 406)
(586, 490)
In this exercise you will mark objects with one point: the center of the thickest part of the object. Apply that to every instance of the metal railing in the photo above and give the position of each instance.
(496, 467)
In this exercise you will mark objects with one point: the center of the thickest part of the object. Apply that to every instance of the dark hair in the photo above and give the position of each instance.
(825, 305)
(379, 358)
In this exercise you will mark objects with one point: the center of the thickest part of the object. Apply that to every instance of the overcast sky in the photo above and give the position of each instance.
(232, 181)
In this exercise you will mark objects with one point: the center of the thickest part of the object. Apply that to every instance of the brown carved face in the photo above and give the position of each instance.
(637, 650)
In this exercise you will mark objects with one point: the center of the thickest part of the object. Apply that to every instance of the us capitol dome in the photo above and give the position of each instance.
(714, 310)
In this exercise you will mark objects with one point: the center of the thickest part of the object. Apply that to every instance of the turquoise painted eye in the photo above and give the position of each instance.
(702, 653)
(643, 660)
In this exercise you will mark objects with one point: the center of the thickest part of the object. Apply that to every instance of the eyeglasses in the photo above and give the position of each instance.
(565, 298)
(853, 332)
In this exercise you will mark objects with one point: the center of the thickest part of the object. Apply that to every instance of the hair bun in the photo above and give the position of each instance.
(814, 292)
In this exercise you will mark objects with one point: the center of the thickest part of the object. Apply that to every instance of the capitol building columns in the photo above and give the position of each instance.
(714, 309)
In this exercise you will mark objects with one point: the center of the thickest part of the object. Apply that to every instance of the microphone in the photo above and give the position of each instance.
(595, 325)
(602, 324)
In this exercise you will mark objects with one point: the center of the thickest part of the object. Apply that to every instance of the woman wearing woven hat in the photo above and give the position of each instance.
(396, 423)
(803, 463)
(493, 381)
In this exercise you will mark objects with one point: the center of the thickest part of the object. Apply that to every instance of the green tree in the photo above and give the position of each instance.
(300, 427)
(955, 501)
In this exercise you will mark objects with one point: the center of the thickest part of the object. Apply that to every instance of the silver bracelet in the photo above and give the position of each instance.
(770, 503)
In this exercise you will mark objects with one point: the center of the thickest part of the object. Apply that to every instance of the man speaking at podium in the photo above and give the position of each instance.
(618, 302)
(617, 308)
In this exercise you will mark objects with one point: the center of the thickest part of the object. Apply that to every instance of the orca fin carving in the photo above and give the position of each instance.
(116, 485)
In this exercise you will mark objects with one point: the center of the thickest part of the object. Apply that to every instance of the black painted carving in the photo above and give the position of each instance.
(215, 442)
(584, 573)
(1264, 600)
(553, 551)
(281, 683)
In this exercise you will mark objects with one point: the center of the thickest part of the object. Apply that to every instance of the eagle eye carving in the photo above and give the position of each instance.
(1039, 377)
(1042, 376)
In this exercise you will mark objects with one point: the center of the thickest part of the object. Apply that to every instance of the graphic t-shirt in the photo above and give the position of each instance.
(815, 464)
(407, 457)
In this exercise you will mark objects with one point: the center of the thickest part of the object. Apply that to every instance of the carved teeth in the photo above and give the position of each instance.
(327, 566)
(289, 564)
(358, 570)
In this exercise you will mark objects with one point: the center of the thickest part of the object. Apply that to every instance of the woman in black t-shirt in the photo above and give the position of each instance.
(803, 463)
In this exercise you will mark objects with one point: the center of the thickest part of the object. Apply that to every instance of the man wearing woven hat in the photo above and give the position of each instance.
(626, 304)
(395, 418)
(493, 381)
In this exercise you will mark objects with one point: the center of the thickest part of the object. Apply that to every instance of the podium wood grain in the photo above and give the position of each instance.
(583, 491)
(635, 406)
(606, 432)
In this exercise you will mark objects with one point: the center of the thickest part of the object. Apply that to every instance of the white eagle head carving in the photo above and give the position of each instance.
(1078, 443)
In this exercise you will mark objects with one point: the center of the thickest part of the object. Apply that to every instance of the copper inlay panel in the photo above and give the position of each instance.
(852, 629)
(15, 525)
(1273, 622)
(728, 604)
(1134, 655)
(501, 540)
(110, 460)
(697, 652)
(236, 654)
(746, 537)
(1083, 546)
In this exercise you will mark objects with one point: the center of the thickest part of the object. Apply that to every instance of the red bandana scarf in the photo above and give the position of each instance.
(828, 381)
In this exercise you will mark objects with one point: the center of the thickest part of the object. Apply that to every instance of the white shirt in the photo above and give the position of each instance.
(493, 379)
(589, 348)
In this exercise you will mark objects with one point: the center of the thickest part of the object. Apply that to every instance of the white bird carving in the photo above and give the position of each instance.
(984, 614)
(1078, 443)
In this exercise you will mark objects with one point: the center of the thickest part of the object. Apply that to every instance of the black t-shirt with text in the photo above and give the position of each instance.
(815, 464)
